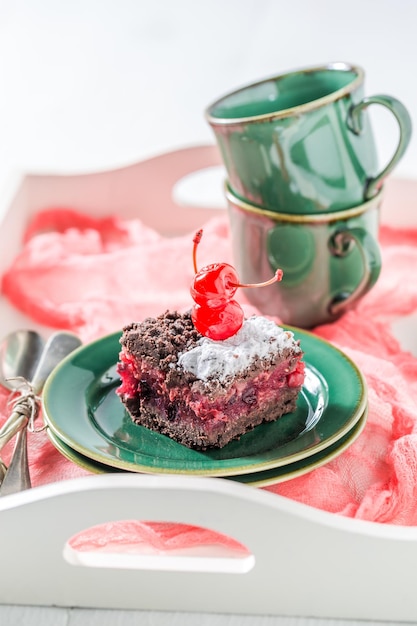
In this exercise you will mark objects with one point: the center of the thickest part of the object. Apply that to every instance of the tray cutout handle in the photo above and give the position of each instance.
(160, 546)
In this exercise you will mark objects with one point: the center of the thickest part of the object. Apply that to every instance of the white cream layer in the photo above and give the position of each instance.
(258, 338)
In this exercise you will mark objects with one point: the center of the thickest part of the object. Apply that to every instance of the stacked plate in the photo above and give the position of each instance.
(88, 424)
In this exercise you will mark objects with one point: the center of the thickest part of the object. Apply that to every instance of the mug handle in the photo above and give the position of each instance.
(340, 245)
(404, 121)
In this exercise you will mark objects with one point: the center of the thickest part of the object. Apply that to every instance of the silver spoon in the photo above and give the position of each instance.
(58, 346)
(19, 355)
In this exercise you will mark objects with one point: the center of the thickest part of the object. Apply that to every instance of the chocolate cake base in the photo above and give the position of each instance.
(161, 395)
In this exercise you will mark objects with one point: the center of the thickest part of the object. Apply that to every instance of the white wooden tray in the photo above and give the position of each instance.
(302, 561)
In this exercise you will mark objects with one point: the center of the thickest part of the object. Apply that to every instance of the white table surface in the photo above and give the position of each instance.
(88, 85)
(28, 616)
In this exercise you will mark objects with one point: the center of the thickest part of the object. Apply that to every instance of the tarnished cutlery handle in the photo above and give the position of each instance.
(18, 471)
(11, 427)
(25, 408)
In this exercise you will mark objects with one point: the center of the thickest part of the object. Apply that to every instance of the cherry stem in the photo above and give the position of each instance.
(276, 278)
(196, 241)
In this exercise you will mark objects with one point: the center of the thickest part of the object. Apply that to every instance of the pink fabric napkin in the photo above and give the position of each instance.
(95, 275)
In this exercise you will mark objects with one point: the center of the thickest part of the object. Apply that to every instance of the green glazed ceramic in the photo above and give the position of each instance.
(81, 408)
(302, 142)
(330, 260)
(256, 479)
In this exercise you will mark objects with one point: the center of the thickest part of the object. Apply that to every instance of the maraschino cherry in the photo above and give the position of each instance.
(216, 314)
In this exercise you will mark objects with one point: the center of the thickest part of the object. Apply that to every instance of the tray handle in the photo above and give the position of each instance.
(306, 562)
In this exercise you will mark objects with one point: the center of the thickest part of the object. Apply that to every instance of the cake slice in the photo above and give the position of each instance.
(201, 392)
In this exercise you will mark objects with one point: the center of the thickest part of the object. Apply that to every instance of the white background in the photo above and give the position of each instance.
(90, 84)
(93, 84)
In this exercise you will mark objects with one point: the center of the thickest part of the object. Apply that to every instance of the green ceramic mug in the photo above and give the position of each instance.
(302, 142)
(330, 260)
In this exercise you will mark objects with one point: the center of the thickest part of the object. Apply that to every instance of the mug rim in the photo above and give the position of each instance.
(300, 108)
(303, 218)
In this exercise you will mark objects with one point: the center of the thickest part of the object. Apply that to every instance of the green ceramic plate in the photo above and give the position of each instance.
(257, 479)
(81, 407)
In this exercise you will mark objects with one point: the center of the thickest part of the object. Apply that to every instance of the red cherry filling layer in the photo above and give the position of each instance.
(187, 411)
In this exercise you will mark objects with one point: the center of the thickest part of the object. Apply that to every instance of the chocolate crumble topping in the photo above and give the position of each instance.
(160, 339)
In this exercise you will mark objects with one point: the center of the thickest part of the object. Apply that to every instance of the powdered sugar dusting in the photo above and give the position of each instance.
(259, 338)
